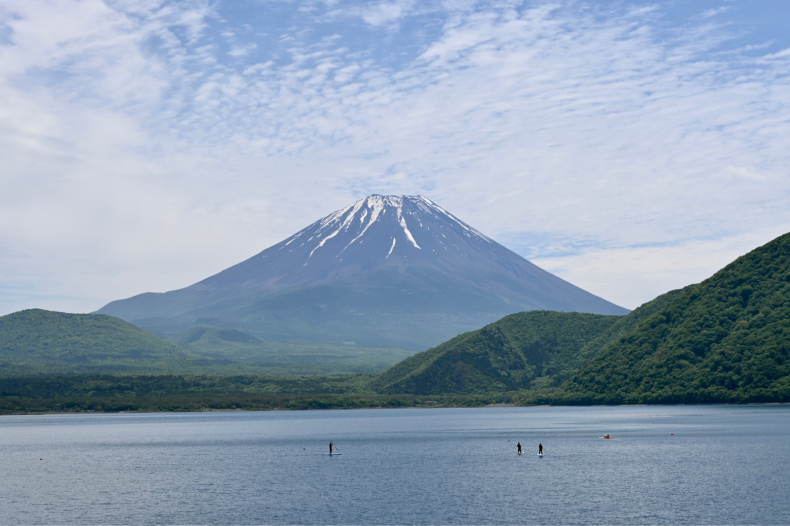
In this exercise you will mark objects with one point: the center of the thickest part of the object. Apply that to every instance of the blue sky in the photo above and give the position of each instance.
(629, 147)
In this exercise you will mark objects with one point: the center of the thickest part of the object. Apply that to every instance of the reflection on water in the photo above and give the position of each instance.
(723, 465)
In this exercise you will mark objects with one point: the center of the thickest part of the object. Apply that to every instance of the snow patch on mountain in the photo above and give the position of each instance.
(376, 210)
(402, 223)
(391, 248)
(433, 207)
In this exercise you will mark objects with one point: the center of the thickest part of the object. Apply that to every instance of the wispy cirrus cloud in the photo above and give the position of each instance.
(381, 13)
(137, 134)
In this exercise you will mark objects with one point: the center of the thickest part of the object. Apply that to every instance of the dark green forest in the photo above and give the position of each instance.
(726, 339)
(520, 351)
(113, 393)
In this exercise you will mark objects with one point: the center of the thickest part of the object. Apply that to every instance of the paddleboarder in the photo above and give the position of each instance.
(519, 447)
(540, 449)
(330, 448)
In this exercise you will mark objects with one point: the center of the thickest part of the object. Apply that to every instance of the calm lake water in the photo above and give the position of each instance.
(723, 465)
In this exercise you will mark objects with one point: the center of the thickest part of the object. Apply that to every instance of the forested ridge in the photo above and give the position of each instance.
(514, 353)
(726, 339)
(534, 351)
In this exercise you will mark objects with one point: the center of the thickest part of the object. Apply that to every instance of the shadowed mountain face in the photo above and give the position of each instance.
(391, 271)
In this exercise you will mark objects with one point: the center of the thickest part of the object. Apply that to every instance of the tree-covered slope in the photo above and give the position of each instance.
(618, 329)
(35, 342)
(521, 351)
(726, 339)
(214, 336)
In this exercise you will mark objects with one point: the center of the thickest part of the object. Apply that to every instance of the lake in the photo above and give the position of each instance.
(722, 465)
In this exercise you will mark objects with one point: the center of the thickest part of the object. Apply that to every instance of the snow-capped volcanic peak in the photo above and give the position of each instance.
(386, 270)
(393, 226)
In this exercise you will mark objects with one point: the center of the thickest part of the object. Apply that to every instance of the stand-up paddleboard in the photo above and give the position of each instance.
(520, 453)
(540, 454)
(333, 454)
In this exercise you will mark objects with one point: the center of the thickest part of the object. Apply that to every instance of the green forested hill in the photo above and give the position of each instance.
(726, 339)
(214, 336)
(36, 342)
(615, 331)
(521, 351)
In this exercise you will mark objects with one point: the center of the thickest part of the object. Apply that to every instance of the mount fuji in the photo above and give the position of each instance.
(385, 271)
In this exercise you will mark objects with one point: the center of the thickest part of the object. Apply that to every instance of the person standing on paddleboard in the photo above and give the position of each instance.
(540, 449)
(519, 447)
(330, 448)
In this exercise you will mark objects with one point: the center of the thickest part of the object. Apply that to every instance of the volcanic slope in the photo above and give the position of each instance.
(386, 271)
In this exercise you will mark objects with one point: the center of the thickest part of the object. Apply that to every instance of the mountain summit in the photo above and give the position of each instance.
(389, 271)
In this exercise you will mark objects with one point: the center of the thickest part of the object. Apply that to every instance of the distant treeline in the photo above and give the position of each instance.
(106, 393)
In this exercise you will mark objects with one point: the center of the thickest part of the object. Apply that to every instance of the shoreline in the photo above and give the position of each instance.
(487, 406)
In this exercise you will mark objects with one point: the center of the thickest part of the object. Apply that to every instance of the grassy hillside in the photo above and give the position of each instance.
(37, 342)
(726, 339)
(521, 351)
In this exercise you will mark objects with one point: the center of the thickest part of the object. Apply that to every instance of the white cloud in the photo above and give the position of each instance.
(137, 156)
(382, 13)
(240, 51)
(710, 13)
(378, 13)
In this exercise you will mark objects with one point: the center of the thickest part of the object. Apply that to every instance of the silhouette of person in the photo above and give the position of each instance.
(519, 447)
(540, 449)
(330, 448)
